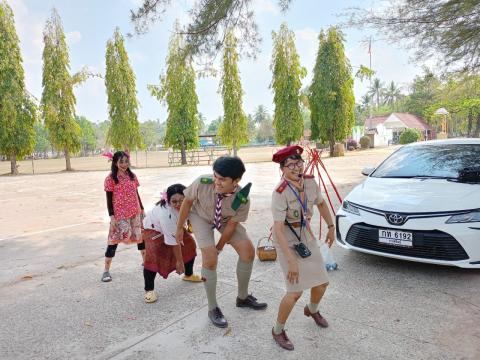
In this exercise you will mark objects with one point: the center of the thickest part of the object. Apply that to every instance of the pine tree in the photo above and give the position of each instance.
(286, 84)
(58, 100)
(233, 130)
(17, 110)
(331, 96)
(124, 131)
(177, 89)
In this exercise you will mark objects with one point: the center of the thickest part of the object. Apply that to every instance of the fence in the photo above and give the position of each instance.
(205, 156)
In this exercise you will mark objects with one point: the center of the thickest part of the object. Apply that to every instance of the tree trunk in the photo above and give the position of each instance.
(332, 147)
(469, 123)
(477, 130)
(67, 160)
(13, 165)
(184, 153)
(234, 148)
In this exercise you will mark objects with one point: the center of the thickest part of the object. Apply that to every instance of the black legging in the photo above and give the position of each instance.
(149, 276)
(110, 253)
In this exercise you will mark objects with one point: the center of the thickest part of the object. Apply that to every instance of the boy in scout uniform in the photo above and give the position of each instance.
(299, 255)
(218, 202)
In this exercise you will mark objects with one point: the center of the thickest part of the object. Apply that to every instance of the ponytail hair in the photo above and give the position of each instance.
(171, 190)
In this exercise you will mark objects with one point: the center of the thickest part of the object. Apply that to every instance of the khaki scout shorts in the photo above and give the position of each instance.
(204, 234)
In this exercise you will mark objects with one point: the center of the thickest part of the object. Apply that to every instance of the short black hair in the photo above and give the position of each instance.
(292, 157)
(229, 166)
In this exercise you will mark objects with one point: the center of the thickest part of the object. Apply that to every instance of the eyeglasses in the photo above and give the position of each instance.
(176, 202)
(294, 165)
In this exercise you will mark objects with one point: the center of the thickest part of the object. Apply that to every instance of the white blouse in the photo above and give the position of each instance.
(163, 220)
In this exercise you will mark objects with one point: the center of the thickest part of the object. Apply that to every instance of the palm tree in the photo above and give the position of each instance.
(391, 95)
(376, 90)
(365, 104)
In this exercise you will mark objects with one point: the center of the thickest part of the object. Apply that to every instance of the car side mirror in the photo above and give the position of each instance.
(367, 170)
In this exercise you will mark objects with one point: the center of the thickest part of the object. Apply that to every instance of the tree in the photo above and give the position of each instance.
(87, 139)
(177, 89)
(423, 93)
(209, 25)
(58, 100)
(152, 133)
(124, 131)
(213, 126)
(376, 90)
(261, 114)
(286, 84)
(101, 133)
(233, 130)
(391, 95)
(42, 145)
(17, 110)
(450, 28)
(331, 93)
(201, 123)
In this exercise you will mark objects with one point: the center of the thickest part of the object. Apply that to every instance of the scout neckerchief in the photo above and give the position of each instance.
(217, 222)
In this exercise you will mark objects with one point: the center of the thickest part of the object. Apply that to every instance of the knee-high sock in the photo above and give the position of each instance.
(210, 284)
(244, 271)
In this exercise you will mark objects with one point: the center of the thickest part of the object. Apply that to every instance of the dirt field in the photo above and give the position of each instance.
(53, 230)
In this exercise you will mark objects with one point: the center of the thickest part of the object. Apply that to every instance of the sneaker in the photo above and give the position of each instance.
(150, 297)
(217, 318)
(192, 278)
(282, 340)
(106, 277)
(251, 302)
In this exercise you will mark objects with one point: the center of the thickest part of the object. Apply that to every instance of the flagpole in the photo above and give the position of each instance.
(370, 77)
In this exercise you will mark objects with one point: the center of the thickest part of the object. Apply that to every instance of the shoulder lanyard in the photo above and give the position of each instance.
(303, 204)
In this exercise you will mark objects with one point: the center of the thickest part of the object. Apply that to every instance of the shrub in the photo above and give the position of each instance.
(365, 142)
(352, 144)
(409, 136)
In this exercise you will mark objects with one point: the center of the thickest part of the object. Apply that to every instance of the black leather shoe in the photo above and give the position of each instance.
(251, 302)
(217, 318)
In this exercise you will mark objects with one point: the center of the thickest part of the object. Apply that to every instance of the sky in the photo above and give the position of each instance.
(88, 24)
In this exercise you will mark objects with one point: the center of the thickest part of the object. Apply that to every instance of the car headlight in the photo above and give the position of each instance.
(473, 216)
(352, 209)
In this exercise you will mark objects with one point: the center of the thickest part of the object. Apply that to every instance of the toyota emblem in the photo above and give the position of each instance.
(396, 219)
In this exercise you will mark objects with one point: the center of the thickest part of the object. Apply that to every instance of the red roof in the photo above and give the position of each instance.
(413, 121)
(372, 122)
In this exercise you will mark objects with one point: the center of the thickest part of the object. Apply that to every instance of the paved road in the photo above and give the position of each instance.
(53, 306)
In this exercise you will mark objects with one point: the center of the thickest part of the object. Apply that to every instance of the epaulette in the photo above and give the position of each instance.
(309, 176)
(206, 180)
(282, 186)
(241, 197)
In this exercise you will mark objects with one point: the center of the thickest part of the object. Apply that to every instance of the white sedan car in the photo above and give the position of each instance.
(420, 204)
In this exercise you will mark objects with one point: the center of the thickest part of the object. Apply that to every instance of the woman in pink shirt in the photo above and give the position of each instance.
(125, 209)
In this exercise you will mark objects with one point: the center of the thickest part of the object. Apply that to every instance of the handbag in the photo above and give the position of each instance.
(266, 250)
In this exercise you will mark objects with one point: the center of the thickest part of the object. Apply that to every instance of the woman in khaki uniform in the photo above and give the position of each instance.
(299, 255)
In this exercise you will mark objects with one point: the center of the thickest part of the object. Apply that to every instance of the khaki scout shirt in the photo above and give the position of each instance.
(204, 199)
(285, 204)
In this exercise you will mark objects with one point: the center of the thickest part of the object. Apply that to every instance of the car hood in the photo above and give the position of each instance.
(415, 195)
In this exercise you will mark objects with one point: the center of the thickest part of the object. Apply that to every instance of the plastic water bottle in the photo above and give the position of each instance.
(330, 263)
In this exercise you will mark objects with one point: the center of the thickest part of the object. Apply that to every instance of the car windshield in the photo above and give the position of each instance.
(430, 161)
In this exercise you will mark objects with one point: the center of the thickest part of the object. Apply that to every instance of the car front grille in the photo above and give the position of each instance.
(426, 244)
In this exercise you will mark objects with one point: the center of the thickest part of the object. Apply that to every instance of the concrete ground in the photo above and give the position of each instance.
(53, 306)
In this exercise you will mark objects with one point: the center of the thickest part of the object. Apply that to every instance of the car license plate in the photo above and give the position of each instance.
(395, 237)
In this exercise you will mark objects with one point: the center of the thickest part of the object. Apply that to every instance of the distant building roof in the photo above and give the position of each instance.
(413, 121)
(372, 122)
(410, 121)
